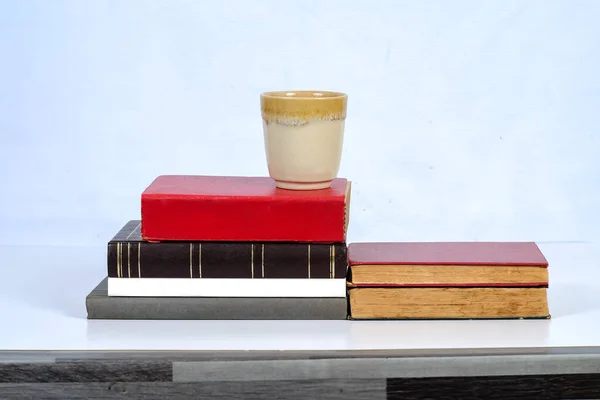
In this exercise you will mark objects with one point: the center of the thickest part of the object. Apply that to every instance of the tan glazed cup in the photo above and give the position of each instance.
(304, 135)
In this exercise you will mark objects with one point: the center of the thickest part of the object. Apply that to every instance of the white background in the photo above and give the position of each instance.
(467, 120)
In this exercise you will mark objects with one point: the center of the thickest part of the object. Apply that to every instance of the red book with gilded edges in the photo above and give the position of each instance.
(447, 264)
(230, 208)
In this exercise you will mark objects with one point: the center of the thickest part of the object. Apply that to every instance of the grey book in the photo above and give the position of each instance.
(100, 306)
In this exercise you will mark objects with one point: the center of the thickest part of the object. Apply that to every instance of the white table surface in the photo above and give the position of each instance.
(42, 307)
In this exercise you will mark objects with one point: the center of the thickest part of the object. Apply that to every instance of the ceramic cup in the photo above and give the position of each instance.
(304, 135)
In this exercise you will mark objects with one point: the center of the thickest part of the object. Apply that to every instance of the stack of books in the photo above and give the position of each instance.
(211, 247)
(478, 280)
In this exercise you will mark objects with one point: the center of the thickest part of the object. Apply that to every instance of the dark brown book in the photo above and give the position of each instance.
(458, 264)
(131, 257)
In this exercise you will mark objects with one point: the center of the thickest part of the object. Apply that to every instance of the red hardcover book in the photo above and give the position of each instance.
(229, 208)
(447, 264)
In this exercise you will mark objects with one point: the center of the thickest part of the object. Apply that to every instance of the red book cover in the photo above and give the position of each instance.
(447, 264)
(447, 253)
(230, 208)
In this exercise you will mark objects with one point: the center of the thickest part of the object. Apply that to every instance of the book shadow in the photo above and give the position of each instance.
(568, 299)
(65, 296)
(219, 334)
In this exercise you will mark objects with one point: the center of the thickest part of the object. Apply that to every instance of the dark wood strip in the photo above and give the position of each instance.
(300, 390)
(124, 371)
(523, 387)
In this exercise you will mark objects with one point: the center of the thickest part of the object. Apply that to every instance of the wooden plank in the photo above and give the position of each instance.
(296, 390)
(373, 368)
(94, 371)
(542, 387)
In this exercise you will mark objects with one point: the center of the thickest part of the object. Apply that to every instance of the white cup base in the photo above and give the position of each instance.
(302, 185)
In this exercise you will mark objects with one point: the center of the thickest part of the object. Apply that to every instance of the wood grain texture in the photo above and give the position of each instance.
(267, 367)
(550, 387)
(105, 371)
(542, 387)
(310, 389)
(38, 356)
(379, 368)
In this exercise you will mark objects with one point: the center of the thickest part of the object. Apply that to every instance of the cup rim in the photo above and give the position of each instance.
(304, 95)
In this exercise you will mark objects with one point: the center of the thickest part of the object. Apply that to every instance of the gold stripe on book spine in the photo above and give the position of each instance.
(117, 251)
(309, 261)
(331, 260)
(129, 260)
(191, 260)
(262, 259)
(252, 259)
(139, 264)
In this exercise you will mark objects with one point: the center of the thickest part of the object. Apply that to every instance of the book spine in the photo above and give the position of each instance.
(138, 259)
(310, 220)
